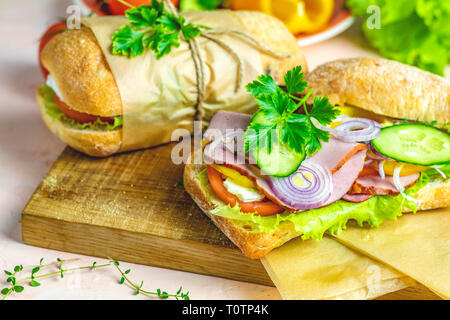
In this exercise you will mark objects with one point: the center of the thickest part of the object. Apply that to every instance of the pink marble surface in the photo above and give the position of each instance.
(28, 149)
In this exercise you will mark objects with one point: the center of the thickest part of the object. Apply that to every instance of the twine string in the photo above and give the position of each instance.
(200, 64)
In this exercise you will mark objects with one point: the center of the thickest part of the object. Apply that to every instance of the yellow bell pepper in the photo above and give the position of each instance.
(300, 16)
(235, 176)
(407, 168)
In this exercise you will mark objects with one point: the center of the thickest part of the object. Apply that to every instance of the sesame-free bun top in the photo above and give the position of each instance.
(384, 87)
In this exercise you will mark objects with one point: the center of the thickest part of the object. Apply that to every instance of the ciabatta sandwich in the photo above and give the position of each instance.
(101, 103)
(304, 164)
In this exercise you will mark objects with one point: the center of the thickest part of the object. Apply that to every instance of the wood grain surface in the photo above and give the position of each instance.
(132, 207)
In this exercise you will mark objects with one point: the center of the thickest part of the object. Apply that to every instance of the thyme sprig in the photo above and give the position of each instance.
(16, 285)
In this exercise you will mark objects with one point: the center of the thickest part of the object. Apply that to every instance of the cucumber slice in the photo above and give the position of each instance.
(414, 143)
(282, 161)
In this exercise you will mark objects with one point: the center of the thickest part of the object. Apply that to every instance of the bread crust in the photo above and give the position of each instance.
(83, 76)
(256, 245)
(384, 87)
(93, 143)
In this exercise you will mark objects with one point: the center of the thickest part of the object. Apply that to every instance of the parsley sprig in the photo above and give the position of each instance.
(152, 27)
(279, 107)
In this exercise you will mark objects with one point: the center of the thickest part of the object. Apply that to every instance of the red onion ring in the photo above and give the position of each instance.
(315, 194)
(374, 154)
(357, 130)
(381, 169)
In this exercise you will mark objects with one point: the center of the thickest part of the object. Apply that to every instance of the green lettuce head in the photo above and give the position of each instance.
(415, 32)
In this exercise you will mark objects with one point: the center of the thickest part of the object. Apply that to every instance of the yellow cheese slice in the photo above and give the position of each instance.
(417, 245)
(329, 270)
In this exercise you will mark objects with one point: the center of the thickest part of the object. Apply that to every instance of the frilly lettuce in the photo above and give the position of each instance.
(53, 111)
(314, 223)
(415, 32)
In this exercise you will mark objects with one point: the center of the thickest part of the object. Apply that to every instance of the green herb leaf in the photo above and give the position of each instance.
(142, 17)
(190, 31)
(278, 109)
(295, 132)
(323, 111)
(4, 291)
(152, 27)
(18, 289)
(128, 42)
(264, 85)
(34, 283)
(7, 272)
(294, 80)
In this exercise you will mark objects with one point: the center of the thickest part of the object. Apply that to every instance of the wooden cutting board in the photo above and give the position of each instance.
(132, 207)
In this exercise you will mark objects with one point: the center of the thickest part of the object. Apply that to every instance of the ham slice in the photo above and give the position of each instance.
(375, 185)
(344, 178)
(357, 198)
(224, 121)
(335, 153)
(345, 160)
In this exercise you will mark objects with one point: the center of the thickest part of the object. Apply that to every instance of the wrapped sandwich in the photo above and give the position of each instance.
(101, 102)
(361, 139)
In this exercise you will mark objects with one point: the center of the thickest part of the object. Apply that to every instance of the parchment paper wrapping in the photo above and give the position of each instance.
(160, 96)
(418, 245)
(310, 270)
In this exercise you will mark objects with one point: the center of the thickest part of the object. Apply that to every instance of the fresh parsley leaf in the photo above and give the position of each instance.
(316, 135)
(294, 132)
(142, 17)
(170, 22)
(128, 42)
(165, 44)
(323, 111)
(278, 114)
(152, 27)
(190, 31)
(260, 135)
(294, 80)
(264, 85)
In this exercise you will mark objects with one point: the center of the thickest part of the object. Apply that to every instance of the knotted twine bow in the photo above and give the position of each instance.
(200, 64)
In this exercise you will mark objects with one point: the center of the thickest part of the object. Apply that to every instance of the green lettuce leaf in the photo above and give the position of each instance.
(313, 224)
(52, 110)
(415, 32)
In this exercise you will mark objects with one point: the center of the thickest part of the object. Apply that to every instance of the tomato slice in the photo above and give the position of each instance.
(48, 35)
(119, 9)
(79, 116)
(262, 208)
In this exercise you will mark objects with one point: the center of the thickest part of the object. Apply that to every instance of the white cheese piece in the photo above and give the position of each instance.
(244, 194)
(52, 84)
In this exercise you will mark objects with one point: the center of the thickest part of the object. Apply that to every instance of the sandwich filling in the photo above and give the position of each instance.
(57, 109)
(358, 183)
